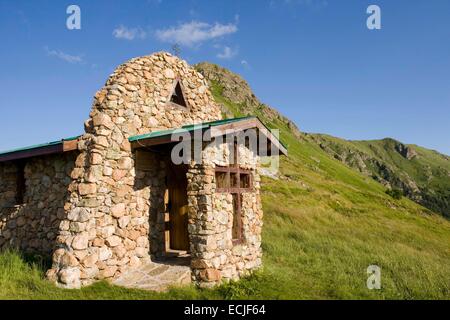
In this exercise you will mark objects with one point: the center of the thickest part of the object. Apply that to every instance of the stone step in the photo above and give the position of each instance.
(155, 276)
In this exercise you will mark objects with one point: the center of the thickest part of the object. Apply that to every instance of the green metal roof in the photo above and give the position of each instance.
(192, 127)
(187, 128)
(37, 146)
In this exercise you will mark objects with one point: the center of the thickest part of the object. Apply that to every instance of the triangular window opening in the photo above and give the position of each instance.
(178, 97)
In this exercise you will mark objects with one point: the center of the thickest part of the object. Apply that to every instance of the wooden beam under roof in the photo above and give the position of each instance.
(253, 123)
(41, 150)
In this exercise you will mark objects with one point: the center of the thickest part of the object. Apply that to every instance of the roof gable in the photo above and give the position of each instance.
(218, 128)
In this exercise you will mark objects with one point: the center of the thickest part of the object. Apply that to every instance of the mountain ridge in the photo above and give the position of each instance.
(424, 182)
(421, 174)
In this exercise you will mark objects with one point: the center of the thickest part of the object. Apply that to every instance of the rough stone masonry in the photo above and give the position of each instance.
(98, 214)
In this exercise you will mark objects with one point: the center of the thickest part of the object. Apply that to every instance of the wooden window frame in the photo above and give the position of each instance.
(235, 169)
(240, 234)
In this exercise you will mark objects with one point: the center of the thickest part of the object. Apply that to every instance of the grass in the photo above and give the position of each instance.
(23, 277)
(333, 223)
(429, 170)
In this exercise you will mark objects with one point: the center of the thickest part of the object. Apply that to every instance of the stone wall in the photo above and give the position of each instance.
(135, 100)
(35, 225)
(214, 256)
(101, 213)
(8, 184)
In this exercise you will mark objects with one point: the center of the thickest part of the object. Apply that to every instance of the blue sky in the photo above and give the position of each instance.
(314, 60)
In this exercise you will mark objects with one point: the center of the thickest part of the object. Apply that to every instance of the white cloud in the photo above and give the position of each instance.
(125, 33)
(195, 32)
(227, 53)
(64, 56)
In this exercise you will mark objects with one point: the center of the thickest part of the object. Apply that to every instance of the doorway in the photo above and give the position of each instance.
(177, 236)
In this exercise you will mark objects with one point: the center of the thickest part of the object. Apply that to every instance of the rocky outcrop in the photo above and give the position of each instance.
(236, 90)
(406, 151)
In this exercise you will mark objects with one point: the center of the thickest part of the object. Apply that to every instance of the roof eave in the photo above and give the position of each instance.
(216, 130)
(52, 148)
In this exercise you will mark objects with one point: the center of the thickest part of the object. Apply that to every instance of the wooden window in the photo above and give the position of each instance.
(222, 180)
(236, 230)
(21, 183)
(177, 96)
(245, 181)
(234, 180)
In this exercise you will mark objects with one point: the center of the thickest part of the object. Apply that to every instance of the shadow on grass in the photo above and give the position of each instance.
(40, 262)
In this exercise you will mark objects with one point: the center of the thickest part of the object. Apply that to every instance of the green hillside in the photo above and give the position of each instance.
(324, 224)
(422, 175)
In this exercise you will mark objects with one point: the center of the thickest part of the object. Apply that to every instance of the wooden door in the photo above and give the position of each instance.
(178, 208)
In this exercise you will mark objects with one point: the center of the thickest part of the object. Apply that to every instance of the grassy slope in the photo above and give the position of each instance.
(324, 224)
(429, 170)
(334, 222)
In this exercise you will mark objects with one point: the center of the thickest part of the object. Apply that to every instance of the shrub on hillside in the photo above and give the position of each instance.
(395, 193)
